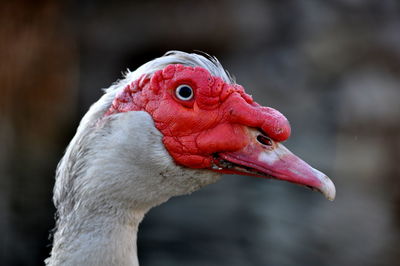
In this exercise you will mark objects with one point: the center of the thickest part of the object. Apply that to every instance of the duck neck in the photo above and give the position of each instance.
(96, 239)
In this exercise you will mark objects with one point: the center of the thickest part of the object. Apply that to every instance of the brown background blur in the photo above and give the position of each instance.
(332, 67)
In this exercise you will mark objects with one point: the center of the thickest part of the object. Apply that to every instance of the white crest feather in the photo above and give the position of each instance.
(177, 57)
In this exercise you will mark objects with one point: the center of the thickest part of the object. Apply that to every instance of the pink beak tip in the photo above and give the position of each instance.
(327, 188)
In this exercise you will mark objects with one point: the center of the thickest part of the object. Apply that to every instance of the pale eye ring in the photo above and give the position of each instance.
(184, 92)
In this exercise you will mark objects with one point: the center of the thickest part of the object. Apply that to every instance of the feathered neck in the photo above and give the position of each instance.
(96, 239)
(112, 173)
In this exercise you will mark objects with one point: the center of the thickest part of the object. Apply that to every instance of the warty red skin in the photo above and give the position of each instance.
(213, 121)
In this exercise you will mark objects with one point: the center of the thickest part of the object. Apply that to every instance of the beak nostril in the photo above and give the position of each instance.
(264, 140)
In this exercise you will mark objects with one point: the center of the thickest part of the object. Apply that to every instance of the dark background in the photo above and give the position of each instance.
(332, 67)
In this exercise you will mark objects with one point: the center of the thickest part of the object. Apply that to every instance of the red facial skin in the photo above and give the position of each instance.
(211, 122)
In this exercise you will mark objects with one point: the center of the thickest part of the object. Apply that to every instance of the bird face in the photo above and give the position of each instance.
(209, 124)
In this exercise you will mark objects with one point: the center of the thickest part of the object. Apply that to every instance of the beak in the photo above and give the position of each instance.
(264, 157)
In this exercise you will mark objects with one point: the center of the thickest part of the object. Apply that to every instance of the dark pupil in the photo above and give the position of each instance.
(185, 92)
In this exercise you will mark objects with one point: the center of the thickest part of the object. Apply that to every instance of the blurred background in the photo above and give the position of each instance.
(332, 67)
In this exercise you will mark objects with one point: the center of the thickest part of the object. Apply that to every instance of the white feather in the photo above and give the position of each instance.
(114, 170)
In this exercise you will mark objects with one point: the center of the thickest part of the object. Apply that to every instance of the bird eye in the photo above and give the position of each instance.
(184, 92)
